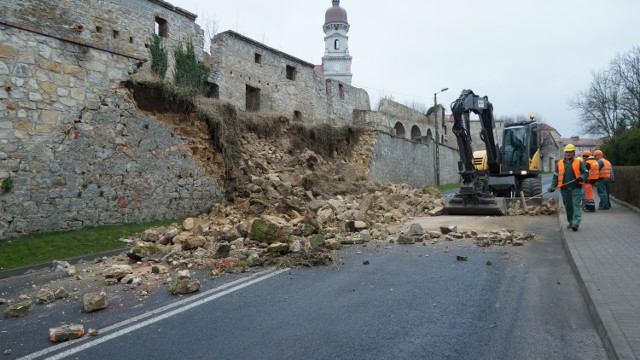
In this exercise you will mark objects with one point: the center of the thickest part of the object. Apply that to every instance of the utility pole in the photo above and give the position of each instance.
(435, 111)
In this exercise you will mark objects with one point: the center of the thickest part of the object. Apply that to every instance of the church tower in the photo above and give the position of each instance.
(336, 62)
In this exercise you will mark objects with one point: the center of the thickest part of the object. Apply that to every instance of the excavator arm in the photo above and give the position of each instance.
(472, 199)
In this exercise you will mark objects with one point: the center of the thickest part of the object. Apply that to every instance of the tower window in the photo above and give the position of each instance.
(257, 58)
(336, 44)
(162, 27)
(341, 90)
(291, 72)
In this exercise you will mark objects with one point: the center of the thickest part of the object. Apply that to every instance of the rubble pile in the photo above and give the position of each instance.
(549, 207)
(288, 208)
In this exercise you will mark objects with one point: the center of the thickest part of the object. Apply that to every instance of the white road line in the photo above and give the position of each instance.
(192, 301)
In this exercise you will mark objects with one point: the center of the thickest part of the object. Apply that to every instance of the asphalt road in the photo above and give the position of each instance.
(408, 302)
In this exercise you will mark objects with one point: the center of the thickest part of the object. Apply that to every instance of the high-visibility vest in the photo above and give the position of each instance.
(605, 170)
(594, 169)
(575, 164)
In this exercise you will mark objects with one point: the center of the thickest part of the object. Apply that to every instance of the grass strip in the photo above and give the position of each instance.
(39, 248)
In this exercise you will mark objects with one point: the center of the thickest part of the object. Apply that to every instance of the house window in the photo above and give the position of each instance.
(162, 27)
(291, 72)
(336, 44)
(252, 98)
(257, 58)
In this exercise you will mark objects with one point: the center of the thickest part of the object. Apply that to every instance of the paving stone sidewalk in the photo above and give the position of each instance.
(605, 256)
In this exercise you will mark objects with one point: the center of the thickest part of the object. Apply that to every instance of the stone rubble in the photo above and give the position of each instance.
(293, 208)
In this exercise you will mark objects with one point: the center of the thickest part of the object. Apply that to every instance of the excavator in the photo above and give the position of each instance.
(490, 177)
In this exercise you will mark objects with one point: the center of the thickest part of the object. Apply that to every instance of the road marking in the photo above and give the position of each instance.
(192, 301)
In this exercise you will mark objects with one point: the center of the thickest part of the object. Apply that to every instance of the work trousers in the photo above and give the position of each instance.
(589, 202)
(603, 193)
(571, 200)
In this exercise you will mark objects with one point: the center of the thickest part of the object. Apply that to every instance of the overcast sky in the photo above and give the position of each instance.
(526, 56)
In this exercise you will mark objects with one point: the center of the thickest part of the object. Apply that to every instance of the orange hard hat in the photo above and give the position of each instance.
(598, 152)
(586, 153)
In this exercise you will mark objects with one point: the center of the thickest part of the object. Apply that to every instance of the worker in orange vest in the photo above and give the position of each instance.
(604, 181)
(570, 174)
(594, 172)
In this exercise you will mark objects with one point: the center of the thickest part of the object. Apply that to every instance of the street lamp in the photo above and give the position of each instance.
(436, 163)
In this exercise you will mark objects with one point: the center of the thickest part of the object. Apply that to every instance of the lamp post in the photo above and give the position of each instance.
(435, 110)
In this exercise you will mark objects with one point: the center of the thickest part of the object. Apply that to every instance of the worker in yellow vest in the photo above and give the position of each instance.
(570, 174)
(594, 173)
(604, 181)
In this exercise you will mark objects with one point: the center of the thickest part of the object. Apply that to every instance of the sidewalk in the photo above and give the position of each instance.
(605, 256)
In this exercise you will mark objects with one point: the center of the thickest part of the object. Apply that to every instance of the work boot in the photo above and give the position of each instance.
(574, 228)
(569, 226)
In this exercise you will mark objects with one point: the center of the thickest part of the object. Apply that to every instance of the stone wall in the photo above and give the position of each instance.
(399, 160)
(284, 85)
(76, 148)
(123, 27)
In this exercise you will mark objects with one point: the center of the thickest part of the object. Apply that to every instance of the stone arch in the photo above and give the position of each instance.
(400, 132)
(415, 133)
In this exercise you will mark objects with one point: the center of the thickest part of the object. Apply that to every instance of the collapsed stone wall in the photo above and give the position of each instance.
(282, 84)
(77, 150)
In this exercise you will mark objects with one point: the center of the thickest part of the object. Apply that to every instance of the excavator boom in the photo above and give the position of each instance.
(473, 198)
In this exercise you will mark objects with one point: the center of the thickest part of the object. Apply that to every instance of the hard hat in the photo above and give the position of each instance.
(598, 152)
(586, 153)
(570, 147)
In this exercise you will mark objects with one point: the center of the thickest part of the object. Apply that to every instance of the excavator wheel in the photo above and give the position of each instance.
(532, 186)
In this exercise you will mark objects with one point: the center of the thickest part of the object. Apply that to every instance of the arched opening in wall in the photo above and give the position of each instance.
(429, 134)
(252, 98)
(336, 44)
(211, 90)
(415, 133)
(162, 27)
(297, 115)
(341, 91)
(399, 128)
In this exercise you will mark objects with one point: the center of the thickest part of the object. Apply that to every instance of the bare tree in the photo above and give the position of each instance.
(626, 68)
(599, 106)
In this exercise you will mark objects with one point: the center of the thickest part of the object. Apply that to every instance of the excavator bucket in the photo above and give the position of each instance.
(458, 205)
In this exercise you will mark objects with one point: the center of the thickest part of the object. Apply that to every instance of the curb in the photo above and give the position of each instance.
(5, 274)
(613, 340)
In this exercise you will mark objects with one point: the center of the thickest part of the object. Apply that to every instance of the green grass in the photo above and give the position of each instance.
(44, 247)
(450, 186)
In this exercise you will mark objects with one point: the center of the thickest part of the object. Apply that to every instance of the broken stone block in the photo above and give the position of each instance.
(94, 301)
(45, 296)
(184, 286)
(278, 247)
(17, 310)
(61, 293)
(448, 229)
(65, 333)
(405, 239)
(117, 271)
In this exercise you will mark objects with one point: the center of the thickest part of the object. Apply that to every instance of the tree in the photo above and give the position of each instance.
(626, 68)
(623, 149)
(611, 104)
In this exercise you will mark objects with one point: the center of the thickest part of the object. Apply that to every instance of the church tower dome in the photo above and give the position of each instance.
(336, 62)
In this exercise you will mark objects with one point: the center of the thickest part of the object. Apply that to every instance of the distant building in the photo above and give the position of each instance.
(336, 62)
(582, 144)
(551, 147)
